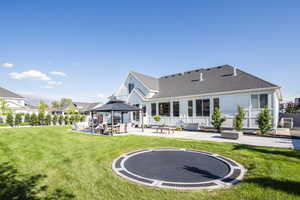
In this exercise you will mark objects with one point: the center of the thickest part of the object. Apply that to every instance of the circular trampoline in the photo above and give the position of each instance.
(178, 169)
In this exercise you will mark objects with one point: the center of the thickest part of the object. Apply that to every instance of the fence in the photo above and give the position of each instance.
(295, 116)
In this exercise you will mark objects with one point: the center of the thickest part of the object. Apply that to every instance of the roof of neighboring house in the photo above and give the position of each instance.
(6, 93)
(148, 81)
(215, 80)
(83, 106)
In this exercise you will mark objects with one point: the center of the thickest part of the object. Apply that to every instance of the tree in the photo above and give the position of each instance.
(291, 107)
(72, 118)
(217, 119)
(33, 119)
(42, 106)
(67, 119)
(18, 119)
(10, 119)
(54, 119)
(4, 109)
(27, 118)
(55, 104)
(41, 118)
(264, 121)
(65, 102)
(239, 119)
(60, 119)
(48, 119)
(82, 118)
(71, 109)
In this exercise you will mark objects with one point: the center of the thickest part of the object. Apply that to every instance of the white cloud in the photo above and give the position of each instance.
(7, 65)
(58, 73)
(31, 74)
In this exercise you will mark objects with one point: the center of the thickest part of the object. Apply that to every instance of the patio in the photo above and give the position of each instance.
(215, 137)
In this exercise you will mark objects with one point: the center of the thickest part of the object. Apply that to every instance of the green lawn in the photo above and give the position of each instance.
(53, 163)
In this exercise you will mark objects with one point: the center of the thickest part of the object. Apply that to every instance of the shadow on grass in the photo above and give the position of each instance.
(282, 185)
(16, 186)
(285, 152)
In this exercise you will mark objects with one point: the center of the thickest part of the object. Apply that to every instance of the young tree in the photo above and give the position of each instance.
(10, 119)
(42, 106)
(54, 119)
(239, 119)
(65, 102)
(72, 118)
(18, 119)
(67, 119)
(82, 118)
(71, 109)
(60, 119)
(264, 121)
(41, 118)
(33, 119)
(27, 118)
(217, 119)
(55, 104)
(48, 119)
(4, 109)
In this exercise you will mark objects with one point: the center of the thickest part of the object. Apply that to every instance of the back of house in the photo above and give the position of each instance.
(192, 96)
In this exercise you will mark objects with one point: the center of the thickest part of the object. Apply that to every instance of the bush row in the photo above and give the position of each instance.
(41, 119)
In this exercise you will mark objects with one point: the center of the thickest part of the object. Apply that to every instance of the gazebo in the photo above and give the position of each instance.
(120, 106)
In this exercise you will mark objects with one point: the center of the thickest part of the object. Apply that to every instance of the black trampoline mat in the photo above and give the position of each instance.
(177, 166)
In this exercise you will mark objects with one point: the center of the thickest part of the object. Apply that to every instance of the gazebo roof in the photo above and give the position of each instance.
(116, 105)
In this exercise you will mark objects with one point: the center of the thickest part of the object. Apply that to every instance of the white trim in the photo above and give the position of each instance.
(150, 90)
(214, 94)
(138, 93)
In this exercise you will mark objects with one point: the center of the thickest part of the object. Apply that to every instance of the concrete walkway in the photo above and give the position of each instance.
(248, 140)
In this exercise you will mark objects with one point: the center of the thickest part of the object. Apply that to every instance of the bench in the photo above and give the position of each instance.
(234, 135)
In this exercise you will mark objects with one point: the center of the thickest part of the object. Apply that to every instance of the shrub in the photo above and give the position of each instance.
(48, 119)
(41, 118)
(10, 119)
(217, 119)
(60, 119)
(27, 118)
(66, 119)
(18, 119)
(178, 128)
(157, 118)
(239, 119)
(264, 121)
(54, 119)
(82, 118)
(33, 119)
(72, 118)
(3, 124)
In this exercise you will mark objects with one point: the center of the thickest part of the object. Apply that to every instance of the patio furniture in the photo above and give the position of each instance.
(169, 129)
(123, 128)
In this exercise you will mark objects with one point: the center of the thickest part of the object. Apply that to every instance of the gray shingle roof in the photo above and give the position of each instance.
(6, 93)
(149, 81)
(216, 79)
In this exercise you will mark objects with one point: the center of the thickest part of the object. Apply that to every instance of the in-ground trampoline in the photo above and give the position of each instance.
(178, 169)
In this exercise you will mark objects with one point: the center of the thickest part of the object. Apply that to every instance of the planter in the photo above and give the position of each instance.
(232, 134)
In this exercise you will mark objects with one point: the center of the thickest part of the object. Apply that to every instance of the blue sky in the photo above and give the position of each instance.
(96, 43)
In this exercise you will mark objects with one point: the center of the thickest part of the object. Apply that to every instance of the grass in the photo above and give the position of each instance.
(54, 163)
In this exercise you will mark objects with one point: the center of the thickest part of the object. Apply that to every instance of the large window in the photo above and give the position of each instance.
(164, 109)
(176, 109)
(216, 103)
(190, 108)
(130, 87)
(259, 100)
(203, 107)
(153, 109)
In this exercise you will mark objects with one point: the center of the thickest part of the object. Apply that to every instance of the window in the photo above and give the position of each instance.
(203, 107)
(190, 108)
(259, 100)
(153, 109)
(263, 100)
(216, 103)
(130, 87)
(176, 109)
(164, 109)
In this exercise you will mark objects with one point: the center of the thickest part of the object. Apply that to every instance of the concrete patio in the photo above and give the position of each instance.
(248, 140)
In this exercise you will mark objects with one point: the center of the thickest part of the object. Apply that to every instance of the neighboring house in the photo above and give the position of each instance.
(81, 107)
(16, 102)
(191, 97)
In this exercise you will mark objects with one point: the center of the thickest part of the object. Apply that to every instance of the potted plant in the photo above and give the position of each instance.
(217, 119)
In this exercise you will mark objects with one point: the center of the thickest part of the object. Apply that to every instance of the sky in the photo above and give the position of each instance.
(84, 49)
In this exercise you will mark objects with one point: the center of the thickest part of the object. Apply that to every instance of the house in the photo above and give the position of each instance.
(16, 102)
(190, 97)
